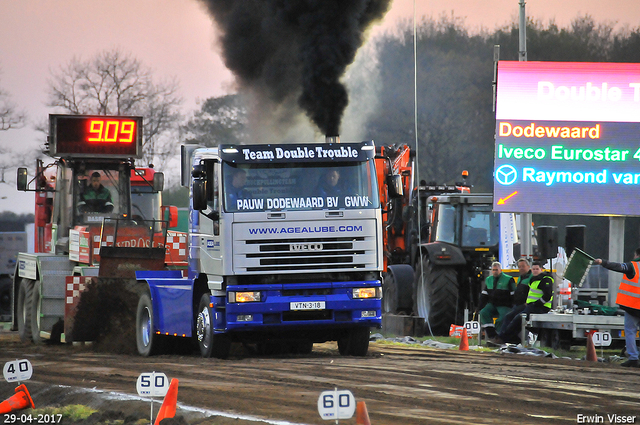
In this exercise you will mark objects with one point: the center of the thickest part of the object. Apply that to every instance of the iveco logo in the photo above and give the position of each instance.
(297, 247)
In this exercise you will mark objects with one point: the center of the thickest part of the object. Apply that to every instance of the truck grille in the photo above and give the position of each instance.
(285, 251)
(306, 254)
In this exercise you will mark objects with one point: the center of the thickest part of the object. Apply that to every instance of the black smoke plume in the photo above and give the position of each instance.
(284, 49)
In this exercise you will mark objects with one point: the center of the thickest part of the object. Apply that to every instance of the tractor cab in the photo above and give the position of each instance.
(466, 221)
(101, 191)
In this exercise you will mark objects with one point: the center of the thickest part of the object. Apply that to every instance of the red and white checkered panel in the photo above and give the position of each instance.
(75, 285)
(176, 253)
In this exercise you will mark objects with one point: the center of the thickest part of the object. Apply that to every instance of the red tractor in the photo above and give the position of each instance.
(96, 214)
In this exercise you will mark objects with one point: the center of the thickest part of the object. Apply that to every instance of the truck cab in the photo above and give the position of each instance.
(284, 248)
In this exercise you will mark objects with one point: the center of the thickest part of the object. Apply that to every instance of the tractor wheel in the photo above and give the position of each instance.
(147, 341)
(436, 296)
(397, 289)
(25, 308)
(355, 342)
(211, 344)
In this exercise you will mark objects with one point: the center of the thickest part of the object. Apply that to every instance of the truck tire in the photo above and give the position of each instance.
(147, 341)
(211, 344)
(436, 296)
(5, 296)
(36, 313)
(354, 343)
(397, 289)
(25, 306)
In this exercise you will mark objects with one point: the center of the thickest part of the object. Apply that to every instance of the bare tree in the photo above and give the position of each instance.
(114, 83)
(10, 116)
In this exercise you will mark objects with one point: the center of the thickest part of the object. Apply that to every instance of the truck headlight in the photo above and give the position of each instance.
(245, 297)
(375, 292)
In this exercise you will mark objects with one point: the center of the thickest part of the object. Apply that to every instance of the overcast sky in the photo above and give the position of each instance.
(177, 38)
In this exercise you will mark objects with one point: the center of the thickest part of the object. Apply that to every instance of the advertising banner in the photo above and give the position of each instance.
(567, 138)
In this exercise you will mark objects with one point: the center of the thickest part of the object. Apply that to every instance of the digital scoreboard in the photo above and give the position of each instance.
(567, 138)
(95, 135)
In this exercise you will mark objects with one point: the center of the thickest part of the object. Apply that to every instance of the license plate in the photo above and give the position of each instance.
(308, 305)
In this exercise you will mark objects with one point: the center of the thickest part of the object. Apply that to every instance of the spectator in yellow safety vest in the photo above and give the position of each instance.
(538, 301)
(628, 299)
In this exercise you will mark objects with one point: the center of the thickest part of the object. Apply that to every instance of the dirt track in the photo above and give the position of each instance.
(400, 385)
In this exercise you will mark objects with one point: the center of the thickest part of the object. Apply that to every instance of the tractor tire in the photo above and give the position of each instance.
(355, 342)
(397, 287)
(147, 341)
(436, 296)
(25, 308)
(5, 296)
(211, 344)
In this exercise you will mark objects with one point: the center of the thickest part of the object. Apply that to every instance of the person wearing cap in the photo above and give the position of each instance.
(628, 299)
(496, 299)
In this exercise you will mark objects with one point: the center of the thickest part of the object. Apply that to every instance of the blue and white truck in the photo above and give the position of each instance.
(284, 249)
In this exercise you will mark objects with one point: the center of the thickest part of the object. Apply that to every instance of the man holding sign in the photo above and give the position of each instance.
(629, 300)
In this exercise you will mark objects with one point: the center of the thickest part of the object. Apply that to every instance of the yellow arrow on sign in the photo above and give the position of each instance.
(502, 201)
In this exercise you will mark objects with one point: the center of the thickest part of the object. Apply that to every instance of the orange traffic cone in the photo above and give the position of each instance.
(168, 408)
(591, 349)
(362, 416)
(20, 400)
(464, 341)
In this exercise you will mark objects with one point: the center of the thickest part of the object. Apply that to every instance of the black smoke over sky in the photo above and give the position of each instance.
(286, 50)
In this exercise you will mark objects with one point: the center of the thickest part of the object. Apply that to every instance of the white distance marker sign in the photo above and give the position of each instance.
(17, 370)
(152, 384)
(333, 405)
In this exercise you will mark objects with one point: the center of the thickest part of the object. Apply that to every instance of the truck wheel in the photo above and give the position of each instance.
(436, 296)
(354, 343)
(25, 295)
(211, 344)
(36, 313)
(397, 289)
(5, 296)
(147, 341)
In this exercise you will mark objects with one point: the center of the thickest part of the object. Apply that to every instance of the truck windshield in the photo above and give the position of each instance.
(299, 186)
(479, 226)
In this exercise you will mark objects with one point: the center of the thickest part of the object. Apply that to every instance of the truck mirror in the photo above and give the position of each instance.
(199, 194)
(173, 215)
(394, 182)
(22, 179)
(158, 182)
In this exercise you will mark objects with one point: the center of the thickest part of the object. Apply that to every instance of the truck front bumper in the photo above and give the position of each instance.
(307, 305)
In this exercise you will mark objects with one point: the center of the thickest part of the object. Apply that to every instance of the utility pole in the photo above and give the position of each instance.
(525, 218)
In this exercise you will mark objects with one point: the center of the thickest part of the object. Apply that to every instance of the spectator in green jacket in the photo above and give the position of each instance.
(496, 299)
(96, 197)
(522, 289)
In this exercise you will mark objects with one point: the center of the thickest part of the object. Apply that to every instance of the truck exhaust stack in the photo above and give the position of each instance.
(332, 139)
